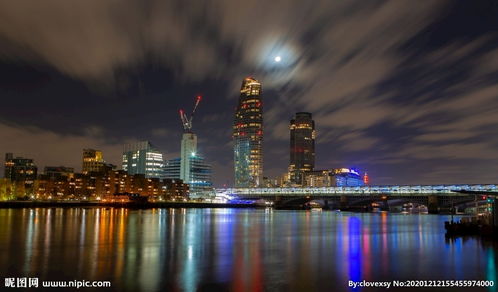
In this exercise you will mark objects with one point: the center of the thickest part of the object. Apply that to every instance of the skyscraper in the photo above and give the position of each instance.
(248, 135)
(143, 158)
(302, 147)
(187, 153)
(93, 161)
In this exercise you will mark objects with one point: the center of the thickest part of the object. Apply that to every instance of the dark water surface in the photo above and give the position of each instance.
(236, 249)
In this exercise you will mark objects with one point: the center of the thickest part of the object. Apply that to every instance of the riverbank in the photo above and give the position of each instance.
(473, 226)
(131, 205)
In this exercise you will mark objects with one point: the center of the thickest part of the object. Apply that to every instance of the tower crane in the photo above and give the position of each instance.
(187, 121)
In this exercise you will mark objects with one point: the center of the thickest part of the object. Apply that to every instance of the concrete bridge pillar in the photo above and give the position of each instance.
(385, 205)
(432, 204)
(326, 205)
(343, 204)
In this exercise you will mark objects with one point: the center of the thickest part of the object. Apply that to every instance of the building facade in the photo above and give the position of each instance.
(19, 168)
(22, 173)
(302, 147)
(112, 185)
(338, 177)
(248, 135)
(347, 177)
(199, 177)
(93, 161)
(143, 158)
(58, 171)
(187, 153)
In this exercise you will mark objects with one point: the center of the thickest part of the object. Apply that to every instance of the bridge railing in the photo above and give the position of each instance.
(364, 190)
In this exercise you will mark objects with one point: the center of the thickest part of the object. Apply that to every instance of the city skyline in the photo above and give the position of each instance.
(411, 103)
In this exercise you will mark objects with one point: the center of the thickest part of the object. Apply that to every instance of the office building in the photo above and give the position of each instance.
(347, 177)
(93, 161)
(143, 158)
(199, 177)
(19, 168)
(338, 177)
(302, 147)
(21, 172)
(248, 135)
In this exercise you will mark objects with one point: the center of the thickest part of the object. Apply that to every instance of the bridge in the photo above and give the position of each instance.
(437, 198)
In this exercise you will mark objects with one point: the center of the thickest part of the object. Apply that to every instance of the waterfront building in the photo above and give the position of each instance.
(19, 168)
(105, 185)
(93, 160)
(58, 171)
(339, 177)
(21, 172)
(199, 177)
(172, 168)
(318, 178)
(248, 135)
(347, 177)
(175, 189)
(143, 158)
(302, 147)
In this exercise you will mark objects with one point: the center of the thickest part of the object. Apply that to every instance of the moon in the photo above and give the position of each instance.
(278, 59)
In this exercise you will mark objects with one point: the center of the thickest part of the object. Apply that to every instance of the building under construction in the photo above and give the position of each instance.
(191, 166)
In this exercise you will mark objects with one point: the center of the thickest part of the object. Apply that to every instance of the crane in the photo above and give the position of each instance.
(187, 121)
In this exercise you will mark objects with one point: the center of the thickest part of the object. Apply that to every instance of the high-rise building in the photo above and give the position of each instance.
(93, 161)
(187, 154)
(143, 158)
(248, 135)
(302, 147)
(198, 176)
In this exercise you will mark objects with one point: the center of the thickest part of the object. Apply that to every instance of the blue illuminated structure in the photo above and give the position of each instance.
(454, 190)
(347, 177)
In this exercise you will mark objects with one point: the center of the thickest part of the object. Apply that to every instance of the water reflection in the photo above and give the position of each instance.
(235, 250)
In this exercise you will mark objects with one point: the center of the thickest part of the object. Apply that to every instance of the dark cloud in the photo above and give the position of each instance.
(404, 89)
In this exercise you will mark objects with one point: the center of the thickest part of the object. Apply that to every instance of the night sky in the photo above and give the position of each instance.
(407, 90)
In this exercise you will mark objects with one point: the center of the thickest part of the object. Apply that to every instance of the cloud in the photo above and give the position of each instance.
(160, 132)
(54, 149)
(385, 82)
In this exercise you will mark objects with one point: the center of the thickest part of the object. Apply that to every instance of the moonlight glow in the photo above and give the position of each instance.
(278, 59)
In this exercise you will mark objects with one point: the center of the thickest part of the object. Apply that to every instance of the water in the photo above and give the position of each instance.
(236, 249)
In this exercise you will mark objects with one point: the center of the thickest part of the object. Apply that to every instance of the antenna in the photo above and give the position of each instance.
(187, 121)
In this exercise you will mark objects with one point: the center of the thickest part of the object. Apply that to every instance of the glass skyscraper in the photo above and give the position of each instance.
(199, 172)
(248, 135)
(143, 158)
(302, 147)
